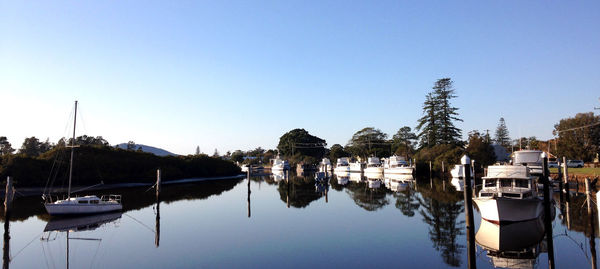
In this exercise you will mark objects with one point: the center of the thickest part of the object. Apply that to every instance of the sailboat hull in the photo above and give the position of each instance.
(81, 209)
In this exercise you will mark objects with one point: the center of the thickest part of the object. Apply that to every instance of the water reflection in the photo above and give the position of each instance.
(75, 225)
(515, 245)
(440, 210)
(298, 192)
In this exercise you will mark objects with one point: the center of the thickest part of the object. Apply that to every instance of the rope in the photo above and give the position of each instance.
(19, 252)
(141, 223)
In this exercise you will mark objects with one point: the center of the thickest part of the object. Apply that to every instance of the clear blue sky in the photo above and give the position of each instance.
(238, 74)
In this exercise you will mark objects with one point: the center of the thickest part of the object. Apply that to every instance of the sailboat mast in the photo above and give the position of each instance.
(72, 149)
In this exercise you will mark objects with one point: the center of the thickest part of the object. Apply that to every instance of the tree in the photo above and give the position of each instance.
(337, 151)
(437, 124)
(501, 136)
(369, 142)
(237, 156)
(300, 142)
(31, 147)
(428, 124)
(5, 146)
(480, 150)
(197, 150)
(446, 113)
(403, 142)
(216, 154)
(130, 145)
(579, 137)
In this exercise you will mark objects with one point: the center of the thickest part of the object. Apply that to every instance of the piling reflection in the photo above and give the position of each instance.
(6, 245)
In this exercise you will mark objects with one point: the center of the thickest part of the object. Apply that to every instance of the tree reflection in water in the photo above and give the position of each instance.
(298, 192)
(367, 198)
(406, 202)
(440, 211)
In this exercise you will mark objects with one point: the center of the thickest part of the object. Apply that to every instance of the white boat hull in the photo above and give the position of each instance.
(399, 171)
(374, 170)
(500, 210)
(81, 209)
(342, 169)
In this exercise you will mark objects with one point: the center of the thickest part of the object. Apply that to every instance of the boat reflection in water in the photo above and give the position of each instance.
(396, 182)
(374, 180)
(278, 175)
(459, 183)
(514, 245)
(85, 223)
(77, 224)
(342, 178)
(356, 177)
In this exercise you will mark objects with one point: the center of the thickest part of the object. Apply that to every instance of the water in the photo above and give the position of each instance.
(295, 225)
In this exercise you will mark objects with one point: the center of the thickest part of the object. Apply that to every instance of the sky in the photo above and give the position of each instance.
(233, 75)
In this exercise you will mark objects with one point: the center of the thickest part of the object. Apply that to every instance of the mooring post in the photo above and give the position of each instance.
(157, 224)
(443, 171)
(588, 193)
(547, 214)
(8, 196)
(158, 182)
(430, 176)
(566, 179)
(468, 196)
(7, 208)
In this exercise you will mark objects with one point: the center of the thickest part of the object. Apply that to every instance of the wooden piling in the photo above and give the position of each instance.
(468, 197)
(430, 176)
(588, 193)
(443, 171)
(547, 214)
(158, 183)
(157, 225)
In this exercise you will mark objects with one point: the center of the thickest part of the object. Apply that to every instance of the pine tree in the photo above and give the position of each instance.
(502, 137)
(437, 124)
(197, 150)
(427, 126)
(446, 113)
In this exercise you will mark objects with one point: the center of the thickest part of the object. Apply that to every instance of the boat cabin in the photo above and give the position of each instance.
(508, 181)
(373, 162)
(342, 162)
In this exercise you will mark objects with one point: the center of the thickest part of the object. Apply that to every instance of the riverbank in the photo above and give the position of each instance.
(37, 191)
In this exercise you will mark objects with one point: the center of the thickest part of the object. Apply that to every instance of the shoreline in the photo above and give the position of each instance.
(33, 191)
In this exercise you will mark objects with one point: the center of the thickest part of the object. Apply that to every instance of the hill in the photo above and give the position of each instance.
(150, 149)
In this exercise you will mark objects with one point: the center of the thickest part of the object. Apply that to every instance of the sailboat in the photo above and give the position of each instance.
(89, 204)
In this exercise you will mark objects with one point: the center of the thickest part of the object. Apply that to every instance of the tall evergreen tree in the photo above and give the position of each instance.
(446, 113)
(5, 146)
(437, 124)
(427, 125)
(502, 137)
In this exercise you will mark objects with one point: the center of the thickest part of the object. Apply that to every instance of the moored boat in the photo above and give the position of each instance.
(342, 165)
(397, 165)
(509, 194)
(85, 205)
(373, 166)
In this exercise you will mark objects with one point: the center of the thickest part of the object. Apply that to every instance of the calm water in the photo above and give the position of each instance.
(299, 224)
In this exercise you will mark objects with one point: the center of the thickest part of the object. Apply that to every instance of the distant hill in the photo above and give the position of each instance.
(149, 149)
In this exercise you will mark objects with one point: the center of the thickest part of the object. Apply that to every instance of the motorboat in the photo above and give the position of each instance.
(397, 165)
(325, 165)
(89, 204)
(459, 183)
(279, 164)
(395, 184)
(342, 177)
(373, 166)
(356, 167)
(509, 194)
(534, 161)
(458, 171)
(514, 245)
(342, 165)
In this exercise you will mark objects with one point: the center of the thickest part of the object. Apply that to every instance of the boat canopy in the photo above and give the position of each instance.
(527, 157)
(507, 171)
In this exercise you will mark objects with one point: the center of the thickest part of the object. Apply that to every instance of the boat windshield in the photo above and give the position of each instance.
(521, 183)
(506, 182)
(490, 183)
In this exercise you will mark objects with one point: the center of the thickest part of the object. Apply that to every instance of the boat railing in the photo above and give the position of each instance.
(111, 197)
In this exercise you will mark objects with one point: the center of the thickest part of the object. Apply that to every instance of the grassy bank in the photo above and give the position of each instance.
(585, 171)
